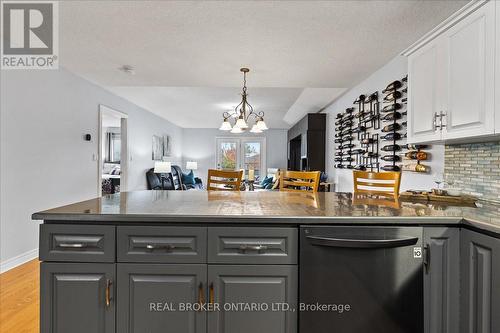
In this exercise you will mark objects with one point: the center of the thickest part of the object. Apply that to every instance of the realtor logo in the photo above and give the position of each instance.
(29, 35)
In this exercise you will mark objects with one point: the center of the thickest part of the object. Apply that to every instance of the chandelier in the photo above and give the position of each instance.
(242, 114)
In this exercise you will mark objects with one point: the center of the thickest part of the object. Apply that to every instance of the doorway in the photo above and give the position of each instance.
(242, 153)
(113, 151)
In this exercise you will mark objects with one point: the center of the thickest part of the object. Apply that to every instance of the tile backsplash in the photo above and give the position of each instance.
(474, 168)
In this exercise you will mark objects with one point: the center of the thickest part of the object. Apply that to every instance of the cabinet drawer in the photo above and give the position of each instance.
(84, 243)
(252, 245)
(162, 244)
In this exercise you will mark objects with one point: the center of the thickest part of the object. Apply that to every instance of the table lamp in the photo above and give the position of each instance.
(162, 168)
(190, 165)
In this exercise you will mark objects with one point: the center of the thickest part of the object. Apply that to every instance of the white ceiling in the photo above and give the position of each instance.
(187, 54)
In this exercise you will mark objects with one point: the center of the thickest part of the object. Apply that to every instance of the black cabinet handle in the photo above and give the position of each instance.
(362, 243)
(427, 258)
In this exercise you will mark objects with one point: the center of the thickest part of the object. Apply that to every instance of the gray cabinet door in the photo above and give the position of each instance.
(152, 295)
(77, 298)
(480, 287)
(235, 285)
(441, 280)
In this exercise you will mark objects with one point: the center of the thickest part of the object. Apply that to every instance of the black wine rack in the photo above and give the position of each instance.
(370, 136)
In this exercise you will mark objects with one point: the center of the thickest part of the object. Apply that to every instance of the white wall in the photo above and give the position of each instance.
(44, 160)
(394, 70)
(199, 145)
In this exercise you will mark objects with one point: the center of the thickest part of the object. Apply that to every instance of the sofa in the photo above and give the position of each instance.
(173, 181)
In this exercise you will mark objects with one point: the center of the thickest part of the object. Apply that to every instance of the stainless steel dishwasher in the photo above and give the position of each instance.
(360, 279)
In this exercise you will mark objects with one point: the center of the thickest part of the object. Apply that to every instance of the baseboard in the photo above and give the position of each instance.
(18, 260)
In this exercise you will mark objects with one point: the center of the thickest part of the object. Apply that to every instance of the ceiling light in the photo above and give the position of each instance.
(243, 112)
(226, 126)
(236, 130)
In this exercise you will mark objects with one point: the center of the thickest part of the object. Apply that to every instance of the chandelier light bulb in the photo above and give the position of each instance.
(236, 130)
(226, 126)
(262, 125)
(255, 129)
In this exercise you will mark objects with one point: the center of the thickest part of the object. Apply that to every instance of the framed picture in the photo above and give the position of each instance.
(157, 148)
(167, 145)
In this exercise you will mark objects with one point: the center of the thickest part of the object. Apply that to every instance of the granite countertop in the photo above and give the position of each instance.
(268, 207)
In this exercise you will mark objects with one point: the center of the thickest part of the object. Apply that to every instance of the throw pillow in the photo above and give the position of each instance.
(188, 178)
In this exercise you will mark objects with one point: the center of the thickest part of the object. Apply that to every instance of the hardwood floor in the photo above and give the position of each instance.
(19, 299)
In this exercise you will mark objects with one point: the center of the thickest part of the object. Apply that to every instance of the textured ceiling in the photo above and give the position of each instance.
(287, 44)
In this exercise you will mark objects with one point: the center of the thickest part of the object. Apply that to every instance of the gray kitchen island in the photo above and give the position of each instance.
(196, 261)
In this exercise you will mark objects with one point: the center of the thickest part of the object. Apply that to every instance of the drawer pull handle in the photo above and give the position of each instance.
(168, 247)
(258, 248)
(72, 245)
(201, 295)
(211, 297)
(108, 292)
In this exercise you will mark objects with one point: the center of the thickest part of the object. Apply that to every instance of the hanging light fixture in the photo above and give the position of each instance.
(242, 113)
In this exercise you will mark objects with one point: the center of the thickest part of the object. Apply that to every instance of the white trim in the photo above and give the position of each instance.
(18, 260)
(103, 109)
(445, 25)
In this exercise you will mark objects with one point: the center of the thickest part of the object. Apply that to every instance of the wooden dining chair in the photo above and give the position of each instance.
(224, 180)
(380, 183)
(299, 181)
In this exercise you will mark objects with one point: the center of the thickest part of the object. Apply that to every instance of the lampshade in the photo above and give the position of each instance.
(163, 167)
(236, 130)
(255, 129)
(262, 125)
(226, 126)
(241, 123)
(190, 165)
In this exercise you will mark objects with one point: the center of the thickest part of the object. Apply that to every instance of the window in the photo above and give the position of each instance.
(241, 153)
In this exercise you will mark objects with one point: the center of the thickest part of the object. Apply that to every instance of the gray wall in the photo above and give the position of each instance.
(44, 160)
(474, 169)
(199, 145)
(394, 70)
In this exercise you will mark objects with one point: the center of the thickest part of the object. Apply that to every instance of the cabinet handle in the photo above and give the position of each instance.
(168, 247)
(72, 245)
(427, 258)
(435, 126)
(442, 114)
(108, 292)
(201, 295)
(259, 248)
(211, 294)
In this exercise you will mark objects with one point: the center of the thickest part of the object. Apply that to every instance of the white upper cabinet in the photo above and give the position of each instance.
(470, 76)
(423, 97)
(451, 78)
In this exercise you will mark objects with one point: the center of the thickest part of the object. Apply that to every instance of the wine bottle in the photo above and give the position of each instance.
(349, 110)
(347, 159)
(392, 116)
(391, 136)
(391, 158)
(392, 86)
(416, 167)
(391, 148)
(391, 168)
(370, 154)
(349, 167)
(361, 114)
(372, 97)
(349, 145)
(367, 141)
(338, 140)
(339, 115)
(392, 107)
(369, 118)
(359, 129)
(360, 99)
(338, 159)
(347, 138)
(393, 96)
(415, 147)
(339, 166)
(405, 79)
(357, 151)
(360, 167)
(404, 123)
(391, 128)
(416, 155)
